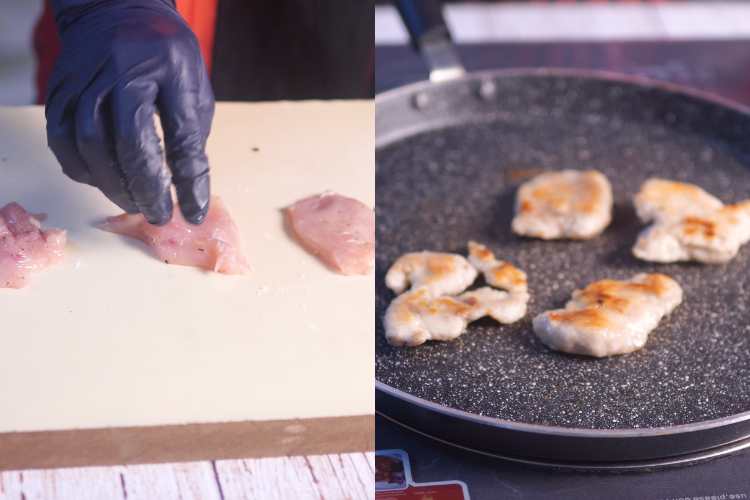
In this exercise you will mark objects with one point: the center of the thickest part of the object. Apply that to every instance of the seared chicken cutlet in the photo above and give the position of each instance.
(504, 307)
(429, 311)
(713, 238)
(415, 317)
(609, 317)
(660, 199)
(497, 273)
(689, 224)
(440, 273)
(571, 204)
(507, 305)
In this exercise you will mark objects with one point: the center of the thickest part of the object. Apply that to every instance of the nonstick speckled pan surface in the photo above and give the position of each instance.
(439, 188)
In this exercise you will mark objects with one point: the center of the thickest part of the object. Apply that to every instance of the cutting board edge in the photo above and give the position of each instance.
(186, 442)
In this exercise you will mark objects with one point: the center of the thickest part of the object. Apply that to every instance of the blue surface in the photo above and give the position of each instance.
(493, 479)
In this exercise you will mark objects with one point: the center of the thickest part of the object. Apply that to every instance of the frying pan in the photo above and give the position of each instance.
(450, 153)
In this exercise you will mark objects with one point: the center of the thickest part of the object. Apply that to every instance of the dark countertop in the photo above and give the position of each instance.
(492, 479)
(721, 67)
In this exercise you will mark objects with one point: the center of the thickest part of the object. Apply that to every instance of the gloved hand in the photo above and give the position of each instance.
(121, 61)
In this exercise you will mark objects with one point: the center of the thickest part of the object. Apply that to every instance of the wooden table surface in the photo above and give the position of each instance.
(345, 476)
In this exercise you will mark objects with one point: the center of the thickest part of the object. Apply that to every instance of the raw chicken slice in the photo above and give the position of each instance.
(440, 273)
(214, 245)
(497, 273)
(571, 204)
(609, 317)
(660, 199)
(416, 316)
(338, 230)
(25, 247)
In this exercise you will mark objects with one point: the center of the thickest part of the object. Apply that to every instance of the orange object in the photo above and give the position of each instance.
(201, 16)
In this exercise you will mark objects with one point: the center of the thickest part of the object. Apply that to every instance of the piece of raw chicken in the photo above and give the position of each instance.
(440, 273)
(688, 224)
(337, 229)
(214, 245)
(609, 317)
(25, 247)
(573, 204)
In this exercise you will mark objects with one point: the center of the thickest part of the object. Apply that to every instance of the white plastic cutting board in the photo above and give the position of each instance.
(113, 337)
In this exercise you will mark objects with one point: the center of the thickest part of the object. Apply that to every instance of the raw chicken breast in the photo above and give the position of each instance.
(338, 230)
(440, 273)
(609, 317)
(26, 247)
(572, 204)
(213, 245)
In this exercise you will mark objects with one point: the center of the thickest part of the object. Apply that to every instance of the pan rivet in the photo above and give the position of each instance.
(487, 90)
(421, 100)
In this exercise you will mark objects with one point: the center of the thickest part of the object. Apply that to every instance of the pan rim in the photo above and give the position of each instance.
(624, 466)
(591, 74)
(555, 430)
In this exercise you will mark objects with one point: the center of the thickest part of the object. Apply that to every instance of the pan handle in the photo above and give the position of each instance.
(431, 38)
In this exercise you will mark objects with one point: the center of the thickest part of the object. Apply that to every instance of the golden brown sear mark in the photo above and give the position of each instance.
(585, 318)
(440, 266)
(508, 273)
(696, 225)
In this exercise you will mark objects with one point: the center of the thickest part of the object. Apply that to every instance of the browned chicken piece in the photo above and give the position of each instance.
(440, 273)
(416, 316)
(609, 317)
(497, 273)
(660, 199)
(430, 312)
(688, 224)
(574, 204)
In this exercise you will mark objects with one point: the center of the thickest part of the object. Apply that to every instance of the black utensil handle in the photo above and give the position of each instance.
(431, 37)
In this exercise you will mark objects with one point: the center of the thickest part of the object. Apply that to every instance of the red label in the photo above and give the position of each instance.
(449, 491)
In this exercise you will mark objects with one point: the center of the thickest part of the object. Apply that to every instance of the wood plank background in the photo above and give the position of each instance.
(342, 476)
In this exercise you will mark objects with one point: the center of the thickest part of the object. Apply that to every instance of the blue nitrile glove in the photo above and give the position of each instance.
(121, 61)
